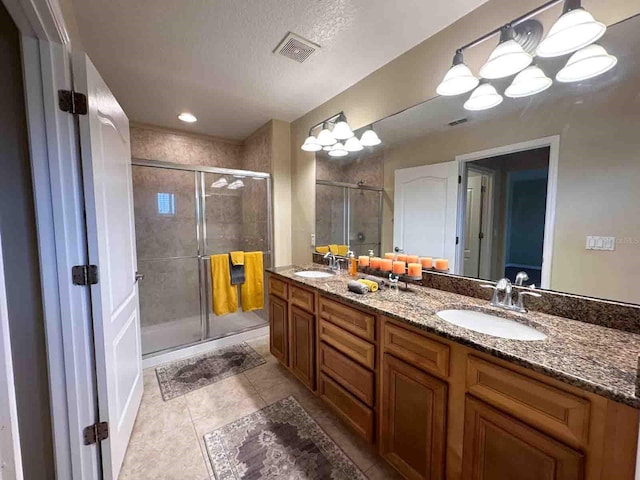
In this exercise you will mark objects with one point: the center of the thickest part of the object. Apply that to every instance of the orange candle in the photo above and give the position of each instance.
(363, 261)
(399, 267)
(402, 257)
(386, 264)
(413, 259)
(390, 255)
(442, 264)
(375, 263)
(427, 262)
(415, 270)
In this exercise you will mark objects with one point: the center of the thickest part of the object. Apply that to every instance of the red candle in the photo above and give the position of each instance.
(413, 259)
(399, 267)
(390, 255)
(415, 270)
(442, 264)
(427, 262)
(386, 264)
(363, 261)
(375, 263)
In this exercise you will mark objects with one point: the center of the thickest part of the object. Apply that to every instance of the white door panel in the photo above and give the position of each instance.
(425, 204)
(106, 162)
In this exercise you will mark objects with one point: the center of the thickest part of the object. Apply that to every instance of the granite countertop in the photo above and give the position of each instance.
(598, 359)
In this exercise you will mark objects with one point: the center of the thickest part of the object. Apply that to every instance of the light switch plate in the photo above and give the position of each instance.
(601, 243)
(313, 239)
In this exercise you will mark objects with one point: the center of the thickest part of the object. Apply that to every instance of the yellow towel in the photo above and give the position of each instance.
(333, 249)
(252, 290)
(225, 295)
(322, 250)
(342, 250)
(372, 286)
(237, 258)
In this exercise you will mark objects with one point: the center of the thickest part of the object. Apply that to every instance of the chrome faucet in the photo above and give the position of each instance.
(334, 262)
(505, 288)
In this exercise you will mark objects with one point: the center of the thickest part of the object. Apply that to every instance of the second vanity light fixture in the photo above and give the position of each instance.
(575, 31)
(340, 140)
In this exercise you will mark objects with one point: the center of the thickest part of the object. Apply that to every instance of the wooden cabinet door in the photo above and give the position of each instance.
(413, 423)
(278, 328)
(302, 346)
(499, 447)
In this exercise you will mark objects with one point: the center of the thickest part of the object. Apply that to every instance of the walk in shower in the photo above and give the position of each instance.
(349, 214)
(184, 214)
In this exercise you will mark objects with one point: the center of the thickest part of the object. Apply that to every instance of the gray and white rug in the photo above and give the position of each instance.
(185, 376)
(280, 441)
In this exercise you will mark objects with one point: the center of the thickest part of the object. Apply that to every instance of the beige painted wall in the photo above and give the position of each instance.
(406, 81)
(281, 175)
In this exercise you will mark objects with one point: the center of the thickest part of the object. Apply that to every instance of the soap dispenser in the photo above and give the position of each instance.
(353, 264)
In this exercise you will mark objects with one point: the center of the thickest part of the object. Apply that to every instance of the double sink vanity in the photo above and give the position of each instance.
(448, 386)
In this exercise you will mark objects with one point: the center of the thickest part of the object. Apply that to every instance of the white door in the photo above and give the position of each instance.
(472, 221)
(425, 206)
(106, 163)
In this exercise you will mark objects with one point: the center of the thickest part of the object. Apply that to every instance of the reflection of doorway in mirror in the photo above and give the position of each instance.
(506, 211)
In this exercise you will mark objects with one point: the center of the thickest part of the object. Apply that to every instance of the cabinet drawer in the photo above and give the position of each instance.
(356, 379)
(303, 299)
(346, 406)
(354, 347)
(420, 351)
(550, 409)
(278, 287)
(352, 320)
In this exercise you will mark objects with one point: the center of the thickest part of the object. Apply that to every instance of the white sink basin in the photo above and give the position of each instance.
(314, 274)
(491, 325)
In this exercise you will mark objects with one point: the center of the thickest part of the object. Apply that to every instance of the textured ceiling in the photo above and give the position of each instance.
(214, 57)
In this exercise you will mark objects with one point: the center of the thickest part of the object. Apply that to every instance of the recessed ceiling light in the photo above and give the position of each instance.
(187, 117)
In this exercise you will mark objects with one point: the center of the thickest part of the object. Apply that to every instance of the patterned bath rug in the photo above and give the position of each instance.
(185, 376)
(281, 441)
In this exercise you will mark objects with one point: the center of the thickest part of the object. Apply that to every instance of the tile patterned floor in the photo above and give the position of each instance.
(167, 441)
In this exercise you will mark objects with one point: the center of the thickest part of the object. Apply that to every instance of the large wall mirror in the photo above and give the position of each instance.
(546, 184)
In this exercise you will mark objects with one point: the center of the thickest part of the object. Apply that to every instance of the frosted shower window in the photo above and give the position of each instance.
(166, 204)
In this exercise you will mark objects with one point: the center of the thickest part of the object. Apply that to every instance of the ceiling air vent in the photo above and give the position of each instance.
(296, 48)
(458, 122)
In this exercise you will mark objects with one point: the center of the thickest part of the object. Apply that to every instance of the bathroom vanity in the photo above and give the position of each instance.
(441, 401)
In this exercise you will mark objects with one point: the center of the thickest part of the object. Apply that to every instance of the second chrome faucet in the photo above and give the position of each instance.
(503, 293)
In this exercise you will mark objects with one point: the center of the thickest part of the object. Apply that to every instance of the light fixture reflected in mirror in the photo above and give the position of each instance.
(353, 145)
(342, 130)
(458, 79)
(507, 59)
(586, 63)
(236, 184)
(370, 138)
(325, 137)
(530, 81)
(338, 150)
(483, 98)
(187, 117)
(575, 29)
(220, 183)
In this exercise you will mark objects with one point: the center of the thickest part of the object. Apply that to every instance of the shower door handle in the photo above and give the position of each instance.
(139, 276)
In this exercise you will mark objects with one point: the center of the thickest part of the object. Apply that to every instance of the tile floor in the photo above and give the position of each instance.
(167, 441)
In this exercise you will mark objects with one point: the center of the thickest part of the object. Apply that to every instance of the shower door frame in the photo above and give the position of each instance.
(203, 258)
(346, 217)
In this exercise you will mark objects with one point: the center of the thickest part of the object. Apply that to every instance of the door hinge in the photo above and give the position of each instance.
(457, 240)
(84, 275)
(481, 235)
(72, 102)
(483, 189)
(96, 433)
(459, 179)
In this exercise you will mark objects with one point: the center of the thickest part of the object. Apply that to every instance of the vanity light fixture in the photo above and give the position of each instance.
(507, 58)
(530, 81)
(187, 117)
(311, 144)
(353, 145)
(370, 138)
(342, 130)
(220, 183)
(586, 63)
(325, 137)
(483, 98)
(575, 29)
(236, 184)
(459, 79)
(338, 150)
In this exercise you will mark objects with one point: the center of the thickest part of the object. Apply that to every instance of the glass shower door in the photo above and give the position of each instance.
(167, 246)
(364, 220)
(235, 216)
(331, 215)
